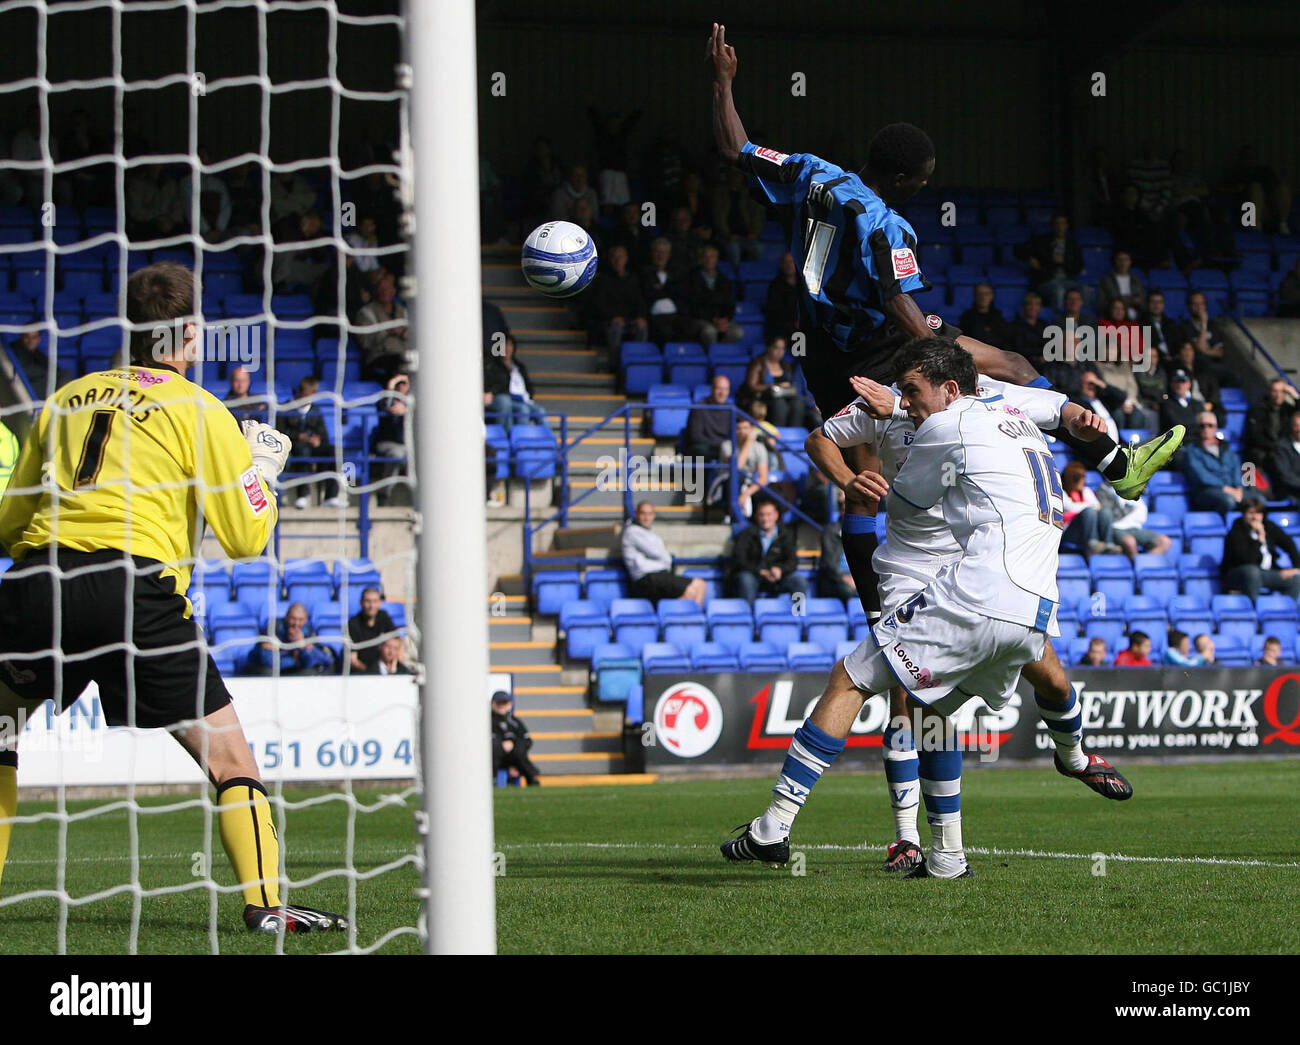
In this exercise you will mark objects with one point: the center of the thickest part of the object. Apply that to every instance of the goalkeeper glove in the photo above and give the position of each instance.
(270, 449)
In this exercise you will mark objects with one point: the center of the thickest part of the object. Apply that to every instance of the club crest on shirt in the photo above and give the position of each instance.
(904, 262)
(934, 322)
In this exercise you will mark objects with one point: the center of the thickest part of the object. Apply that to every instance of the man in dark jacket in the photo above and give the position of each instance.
(711, 301)
(1056, 261)
(510, 741)
(1250, 555)
(982, 320)
(781, 306)
(367, 629)
(1166, 332)
(1284, 465)
(1180, 407)
(305, 425)
(1025, 333)
(763, 558)
(664, 294)
(508, 390)
(615, 307)
(1269, 421)
(707, 430)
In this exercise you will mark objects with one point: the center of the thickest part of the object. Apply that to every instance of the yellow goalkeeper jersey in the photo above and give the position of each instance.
(138, 460)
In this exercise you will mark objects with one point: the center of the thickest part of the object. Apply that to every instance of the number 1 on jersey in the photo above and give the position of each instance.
(816, 251)
(92, 451)
(1047, 485)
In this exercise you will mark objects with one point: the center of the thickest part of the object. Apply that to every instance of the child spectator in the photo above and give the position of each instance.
(1180, 652)
(1138, 653)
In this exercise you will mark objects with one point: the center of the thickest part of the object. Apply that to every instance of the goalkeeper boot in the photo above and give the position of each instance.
(291, 919)
(1145, 459)
(747, 847)
(902, 856)
(1099, 775)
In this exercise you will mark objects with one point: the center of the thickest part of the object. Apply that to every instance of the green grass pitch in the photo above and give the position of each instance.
(1214, 848)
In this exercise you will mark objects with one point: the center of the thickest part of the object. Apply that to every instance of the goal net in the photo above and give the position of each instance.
(261, 145)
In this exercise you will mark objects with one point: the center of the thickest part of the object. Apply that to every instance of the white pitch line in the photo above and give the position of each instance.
(978, 851)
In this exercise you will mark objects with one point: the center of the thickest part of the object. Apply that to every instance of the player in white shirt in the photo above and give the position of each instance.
(976, 481)
(915, 550)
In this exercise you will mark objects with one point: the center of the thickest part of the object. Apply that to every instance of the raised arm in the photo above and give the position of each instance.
(728, 132)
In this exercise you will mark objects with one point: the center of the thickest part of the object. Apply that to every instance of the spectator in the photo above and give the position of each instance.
(1288, 292)
(511, 742)
(763, 559)
(296, 656)
(1101, 187)
(1253, 182)
(495, 329)
(153, 203)
(649, 563)
(982, 320)
(383, 349)
(1092, 389)
(390, 658)
(1138, 654)
(1205, 648)
(508, 390)
(1205, 386)
(1180, 407)
(611, 132)
(616, 309)
(1268, 422)
(1213, 469)
(1073, 311)
(632, 235)
(214, 200)
(1272, 653)
(389, 438)
(291, 197)
(244, 184)
(1284, 464)
(367, 628)
(543, 175)
(707, 430)
(834, 579)
(770, 380)
(1191, 202)
(664, 294)
(1154, 180)
(781, 307)
(1087, 525)
(751, 463)
(737, 218)
(1250, 555)
(1055, 261)
(92, 185)
(1128, 517)
(1196, 329)
(1180, 652)
(587, 220)
(364, 237)
(308, 266)
(1096, 656)
(376, 196)
(1166, 332)
(239, 402)
(1122, 283)
(1122, 342)
(26, 349)
(1025, 333)
(572, 189)
(1149, 242)
(305, 425)
(1064, 373)
(666, 163)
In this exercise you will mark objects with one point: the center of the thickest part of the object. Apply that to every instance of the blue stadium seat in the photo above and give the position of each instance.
(1169, 525)
(1171, 504)
(668, 421)
(1203, 534)
(552, 589)
(710, 575)
(761, 656)
(327, 619)
(1277, 611)
(1102, 618)
(534, 450)
(351, 578)
(1067, 616)
(686, 372)
(499, 442)
(1157, 577)
(1234, 615)
(809, 656)
(1112, 575)
(1199, 575)
(1073, 578)
(681, 622)
(663, 658)
(713, 656)
(605, 585)
(1190, 614)
(826, 623)
(1147, 613)
(617, 669)
(1231, 650)
(1077, 651)
(634, 622)
(731, 622)
(585, 626)
(776, 621)
(307, 580)
(642, 365)
(252, 580)
(397, 614)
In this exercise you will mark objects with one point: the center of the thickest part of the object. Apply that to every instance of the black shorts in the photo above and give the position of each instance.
(827, 368)
(169, 687)
(662, 585)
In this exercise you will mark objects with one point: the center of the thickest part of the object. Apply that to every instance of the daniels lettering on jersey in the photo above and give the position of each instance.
(772, 154)
(252, 483)
(904, 263)
(934, 322)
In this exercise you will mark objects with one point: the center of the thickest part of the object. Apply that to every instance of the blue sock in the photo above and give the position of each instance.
(811, 753)
(1065, 726)
(940, 773)
(903, 776)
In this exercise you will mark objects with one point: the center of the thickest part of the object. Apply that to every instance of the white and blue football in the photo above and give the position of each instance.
(559, 259)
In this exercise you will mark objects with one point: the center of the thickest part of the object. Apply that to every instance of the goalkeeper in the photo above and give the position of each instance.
(103, 518)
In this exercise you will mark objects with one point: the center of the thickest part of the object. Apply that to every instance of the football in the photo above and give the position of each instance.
(559, 259)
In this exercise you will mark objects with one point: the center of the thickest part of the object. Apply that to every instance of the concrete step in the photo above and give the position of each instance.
(548, 360)
(611, 494)
(586, 762)
(587, 404)
(573, 742)
(571, 537)
(574, 381)
(531, 676)
(594, 447)
(499, 273)
(678, 513)
(511, 585)
(528, 651)
(538, 316)
(562, 337)
(510, 629)
(549, 694)
(551, 718)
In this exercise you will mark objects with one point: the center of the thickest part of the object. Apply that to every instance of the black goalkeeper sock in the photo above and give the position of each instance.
(858, 533)
(1102, 453)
